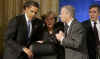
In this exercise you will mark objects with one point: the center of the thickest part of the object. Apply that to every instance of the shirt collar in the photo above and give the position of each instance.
(98, 22)
(26, 18)
(70, 22)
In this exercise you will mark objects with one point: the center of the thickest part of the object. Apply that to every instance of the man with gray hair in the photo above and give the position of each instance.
(73, 37)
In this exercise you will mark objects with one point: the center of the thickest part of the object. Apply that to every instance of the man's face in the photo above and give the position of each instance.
(94, 14)
(65, 14)
(31, 11)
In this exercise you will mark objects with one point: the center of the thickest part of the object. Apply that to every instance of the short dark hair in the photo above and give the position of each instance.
(31, 3)
(95, 5)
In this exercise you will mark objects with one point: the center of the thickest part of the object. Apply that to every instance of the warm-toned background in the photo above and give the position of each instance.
(10, 8)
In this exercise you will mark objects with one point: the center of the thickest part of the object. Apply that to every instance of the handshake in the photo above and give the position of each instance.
(59, 31)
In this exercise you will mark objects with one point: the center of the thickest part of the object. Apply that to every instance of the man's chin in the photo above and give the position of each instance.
(92, 19)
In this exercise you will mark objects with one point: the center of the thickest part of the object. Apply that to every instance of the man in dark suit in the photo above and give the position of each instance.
(73, 37)
(19, 32)
(93, 36)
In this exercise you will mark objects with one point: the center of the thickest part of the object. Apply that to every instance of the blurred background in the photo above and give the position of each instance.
(10, 8)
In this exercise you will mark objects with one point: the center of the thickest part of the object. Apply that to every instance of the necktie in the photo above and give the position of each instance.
(28, 28)
(65, 28)
(96, 33)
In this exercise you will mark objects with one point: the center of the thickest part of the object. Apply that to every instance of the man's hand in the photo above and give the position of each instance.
(28, 52)
(60, 36)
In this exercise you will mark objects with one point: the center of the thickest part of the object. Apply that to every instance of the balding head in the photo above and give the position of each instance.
(67, 13)
(70, 9)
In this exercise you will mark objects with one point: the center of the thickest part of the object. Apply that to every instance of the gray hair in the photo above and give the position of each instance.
(70, 8)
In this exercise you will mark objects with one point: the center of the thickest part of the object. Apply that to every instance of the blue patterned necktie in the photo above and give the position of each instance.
(28, 28)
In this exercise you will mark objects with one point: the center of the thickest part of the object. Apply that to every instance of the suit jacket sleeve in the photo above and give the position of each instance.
(74, 38)
(11, 43)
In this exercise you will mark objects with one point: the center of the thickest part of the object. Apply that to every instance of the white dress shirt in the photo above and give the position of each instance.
(70, 22)
(27, 24)
(27, 20)
(98, 27)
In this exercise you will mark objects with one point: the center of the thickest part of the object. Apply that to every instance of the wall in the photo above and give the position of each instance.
(81, 7)
(8, 9)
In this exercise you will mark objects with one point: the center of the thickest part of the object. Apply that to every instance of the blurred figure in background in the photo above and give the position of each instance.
(93, 32)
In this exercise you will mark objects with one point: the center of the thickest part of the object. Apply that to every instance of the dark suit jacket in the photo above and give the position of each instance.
(46, 50)
(75, 42)
(16, 37)
(91, 41)
(50, 49)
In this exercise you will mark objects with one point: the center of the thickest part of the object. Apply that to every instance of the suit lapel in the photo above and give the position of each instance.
(89, 25)
(70, 28)
(69, 32)
(23, 26)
